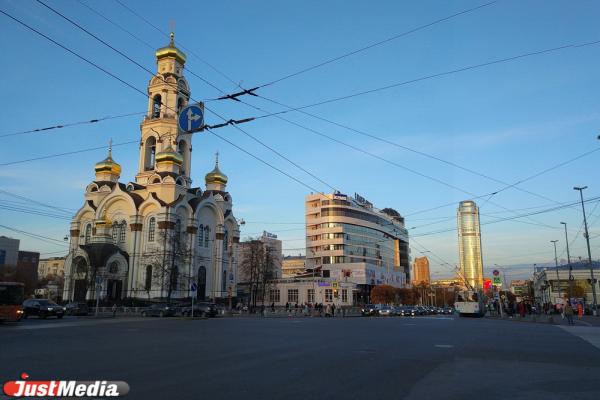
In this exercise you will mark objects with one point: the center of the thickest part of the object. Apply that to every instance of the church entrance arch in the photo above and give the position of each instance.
(201, 293)
(80, 285)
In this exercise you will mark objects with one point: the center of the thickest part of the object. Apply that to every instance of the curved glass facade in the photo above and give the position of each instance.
(469, 243)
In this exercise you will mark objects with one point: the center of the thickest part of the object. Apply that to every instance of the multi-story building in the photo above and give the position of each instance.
(293, 265)
(9, 251)
(51, 267)
(350, 240)
(469, 243)
(550, 288)
(421, 271)
(270, 244)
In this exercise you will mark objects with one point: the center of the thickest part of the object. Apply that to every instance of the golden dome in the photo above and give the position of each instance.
(169, 155)
(108, 164)
(216, 176)
(171, 51)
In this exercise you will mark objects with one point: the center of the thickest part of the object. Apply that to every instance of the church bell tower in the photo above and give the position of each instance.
(168, 94)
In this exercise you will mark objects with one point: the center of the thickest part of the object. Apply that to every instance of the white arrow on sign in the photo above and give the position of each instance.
(191, 117)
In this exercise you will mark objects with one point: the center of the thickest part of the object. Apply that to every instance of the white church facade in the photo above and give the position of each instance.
(154, 237)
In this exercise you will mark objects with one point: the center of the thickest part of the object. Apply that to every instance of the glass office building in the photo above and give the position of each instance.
(349, 240)
(469, 243)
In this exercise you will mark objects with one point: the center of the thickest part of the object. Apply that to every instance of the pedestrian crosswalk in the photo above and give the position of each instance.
(589, 334)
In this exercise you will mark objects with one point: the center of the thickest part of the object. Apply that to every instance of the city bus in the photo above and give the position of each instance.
(469, 303)
(11, 301)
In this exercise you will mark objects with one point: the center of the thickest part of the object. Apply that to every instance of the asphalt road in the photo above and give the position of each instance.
(353, 358)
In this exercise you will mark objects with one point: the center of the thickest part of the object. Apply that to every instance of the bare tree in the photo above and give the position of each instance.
(258, 268)
(169, 261)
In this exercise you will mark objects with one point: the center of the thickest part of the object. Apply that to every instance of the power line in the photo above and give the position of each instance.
(375, 44)
(153, 74)
(511, 218)
(186, 49)
(70, 124)
(35, 236)
(30, 211)
(410, 149)
(63, 210)
(263, 161)
(66, 153)
(437, 75)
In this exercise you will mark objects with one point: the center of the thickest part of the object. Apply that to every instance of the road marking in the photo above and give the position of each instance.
(444, 346)
(589, 334)
(444, 318)
(75, 324)
(409, 324)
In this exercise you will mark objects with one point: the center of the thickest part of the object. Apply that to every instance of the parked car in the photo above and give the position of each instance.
(448, 310)
(160, 310)
(409, 311)
(369, 309)
(421, 310)
(43, 308)
(385, 311)
(201, 309)
(77, 309)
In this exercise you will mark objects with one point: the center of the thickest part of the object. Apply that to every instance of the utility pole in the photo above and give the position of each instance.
(587, 239)
(569, 262)
(556, 264)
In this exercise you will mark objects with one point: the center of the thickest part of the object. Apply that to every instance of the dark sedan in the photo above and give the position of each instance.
(77, 309)
(369, 309)
(42, 308)
(160, 310)
(201, 309)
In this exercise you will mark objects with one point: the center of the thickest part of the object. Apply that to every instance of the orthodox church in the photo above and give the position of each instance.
(156, 237)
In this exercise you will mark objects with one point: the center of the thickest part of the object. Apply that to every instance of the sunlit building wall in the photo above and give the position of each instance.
(421, 271)
(469, 243)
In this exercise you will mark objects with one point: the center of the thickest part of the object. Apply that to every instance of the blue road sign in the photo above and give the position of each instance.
(191, 118)
(193, 287)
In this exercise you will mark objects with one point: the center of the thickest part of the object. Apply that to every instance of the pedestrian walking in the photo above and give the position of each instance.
(333, 310)
(262, 310)
(579, 310)
(568, 313)
(287, 307)
(328, 310)
(114, 310)
(273, 307)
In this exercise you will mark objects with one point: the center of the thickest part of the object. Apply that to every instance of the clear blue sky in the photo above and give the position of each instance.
(508, 121)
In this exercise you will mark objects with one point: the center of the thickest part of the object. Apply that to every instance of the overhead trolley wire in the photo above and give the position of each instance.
(375, 44)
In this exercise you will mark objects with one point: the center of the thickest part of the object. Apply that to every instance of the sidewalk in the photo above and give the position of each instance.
(556, 319)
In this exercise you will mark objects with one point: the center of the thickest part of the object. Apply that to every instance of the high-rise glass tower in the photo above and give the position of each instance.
(469, 243)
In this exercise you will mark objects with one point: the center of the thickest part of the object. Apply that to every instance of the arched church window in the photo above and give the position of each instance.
(225, 241)
(113, 268)
(178, 229)
(179, 105)
(156, 103)
(148, 282)
(201, 235)
(150, 153)
(206, 235)
(122, 232)
(151, 229)
(88, 233)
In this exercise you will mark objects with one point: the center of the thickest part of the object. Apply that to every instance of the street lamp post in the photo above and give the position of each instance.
(587, 239)
(569, 262)
(556, 265)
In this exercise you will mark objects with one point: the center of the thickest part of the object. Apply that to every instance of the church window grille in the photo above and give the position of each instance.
(156, 104)
(122, 232)
(115, 232)
(151, 229)
(88, 233)
(206, 235)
